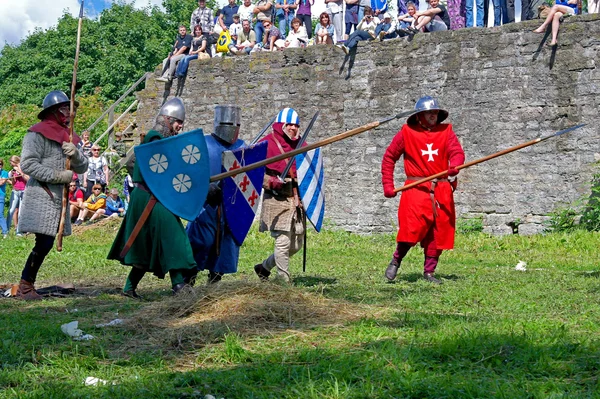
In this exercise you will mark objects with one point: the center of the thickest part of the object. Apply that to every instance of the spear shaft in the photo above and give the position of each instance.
(65, 202)
(488, 157)
(309, 147)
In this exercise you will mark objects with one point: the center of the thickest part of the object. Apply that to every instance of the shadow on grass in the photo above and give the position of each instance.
(468, 365)
(310, 281)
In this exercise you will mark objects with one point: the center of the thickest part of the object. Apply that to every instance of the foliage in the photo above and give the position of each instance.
(470, 225)
(488, 332)
(116, 49)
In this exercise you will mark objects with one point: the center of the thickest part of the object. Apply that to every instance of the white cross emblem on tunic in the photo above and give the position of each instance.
(431, 152)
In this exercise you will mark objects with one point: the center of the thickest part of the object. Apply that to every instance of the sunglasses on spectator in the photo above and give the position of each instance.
(95, 149)
(96, 189)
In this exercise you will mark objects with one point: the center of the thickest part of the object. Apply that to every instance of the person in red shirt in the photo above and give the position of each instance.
(426, 213)
(75, 200)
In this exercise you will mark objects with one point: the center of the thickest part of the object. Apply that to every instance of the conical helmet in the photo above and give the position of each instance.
(173, 108)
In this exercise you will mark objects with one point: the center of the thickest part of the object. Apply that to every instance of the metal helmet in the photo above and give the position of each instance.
(288, 115)
(427, 103)
(173, 108)
(52, 99)
(227, 123)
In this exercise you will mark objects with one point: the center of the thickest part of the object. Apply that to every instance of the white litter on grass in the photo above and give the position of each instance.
(93, 381)
(521, 266)
(72, 331)
(114, 322)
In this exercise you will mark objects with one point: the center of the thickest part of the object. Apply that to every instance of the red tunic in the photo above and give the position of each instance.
(425, 153)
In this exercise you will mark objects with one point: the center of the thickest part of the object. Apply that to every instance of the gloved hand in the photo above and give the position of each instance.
(389, 192)
(63, 176)
(215, 195)
(275, 183)
(452, 171)
(69, 149)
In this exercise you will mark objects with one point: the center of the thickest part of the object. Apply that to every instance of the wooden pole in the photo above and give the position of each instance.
(65, 196)
(487, 158)
(309, 147)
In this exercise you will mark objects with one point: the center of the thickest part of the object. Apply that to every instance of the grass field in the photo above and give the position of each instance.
(339, 331)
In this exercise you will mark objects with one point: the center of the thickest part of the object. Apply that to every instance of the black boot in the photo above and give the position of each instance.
(261, 272)
(429, 277)
(214, 277)
(131, 294)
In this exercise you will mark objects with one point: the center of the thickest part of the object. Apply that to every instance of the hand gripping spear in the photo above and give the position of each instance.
(65, 196)
(309, 147)
(487, 158)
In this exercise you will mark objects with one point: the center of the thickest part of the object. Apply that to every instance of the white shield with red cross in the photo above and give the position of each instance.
(241, 193)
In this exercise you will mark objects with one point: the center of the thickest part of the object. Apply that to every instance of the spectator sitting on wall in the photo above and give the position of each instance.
(364, 31)
(272, 37)
(75, 200)
(181, 48)
(387, 28)
(324, 30)
(198, 51)
(562, 7)
(95, 203)
(407, 20)
(246, 39)
(297, 37)
(235, 28)
(434, 19)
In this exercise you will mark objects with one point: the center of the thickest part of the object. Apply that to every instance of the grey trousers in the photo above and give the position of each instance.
(171, 71)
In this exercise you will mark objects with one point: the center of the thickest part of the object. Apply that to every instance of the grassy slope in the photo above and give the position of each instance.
(489, 331)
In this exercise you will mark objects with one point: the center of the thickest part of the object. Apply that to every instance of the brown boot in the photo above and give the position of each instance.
(27, 292)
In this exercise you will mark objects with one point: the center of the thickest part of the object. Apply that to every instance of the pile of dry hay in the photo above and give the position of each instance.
(208, 313)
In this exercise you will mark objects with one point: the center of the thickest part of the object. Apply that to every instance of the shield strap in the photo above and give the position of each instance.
(138, 225)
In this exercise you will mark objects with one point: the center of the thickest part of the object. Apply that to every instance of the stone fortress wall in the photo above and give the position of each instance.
(502, 86)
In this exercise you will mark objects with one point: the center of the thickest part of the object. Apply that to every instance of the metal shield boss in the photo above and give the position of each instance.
(177, 172)
(241, 193)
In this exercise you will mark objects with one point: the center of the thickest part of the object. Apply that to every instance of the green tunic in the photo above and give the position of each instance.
(162, 243)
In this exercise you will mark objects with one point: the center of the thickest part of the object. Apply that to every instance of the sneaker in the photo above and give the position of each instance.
(78, 222)
(261, 272)
(18, 235)
(161, 79)
(392, 270)
(343, 47)
(4, 235)
(413, 30)
(429, 277)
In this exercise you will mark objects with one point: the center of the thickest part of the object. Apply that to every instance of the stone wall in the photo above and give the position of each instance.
(502, 86)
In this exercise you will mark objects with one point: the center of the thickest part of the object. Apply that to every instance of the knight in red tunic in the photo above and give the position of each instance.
(426, 213)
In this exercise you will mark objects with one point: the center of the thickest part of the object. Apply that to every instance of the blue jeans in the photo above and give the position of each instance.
(2, 219)
(469, 10)
(285, 24)
(497, 12)
(357, 36)
(16, 198)
(259, 29)
(183, 64)
(384, 28)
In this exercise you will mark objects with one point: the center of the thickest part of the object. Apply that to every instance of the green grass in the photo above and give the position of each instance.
(488, 332)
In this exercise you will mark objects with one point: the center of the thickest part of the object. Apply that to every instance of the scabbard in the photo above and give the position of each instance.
(138, 226)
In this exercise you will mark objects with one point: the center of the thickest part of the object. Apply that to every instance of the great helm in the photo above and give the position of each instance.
(427, 103)
(52, 99)
(288, 115)
(227, 123)
(173, 108)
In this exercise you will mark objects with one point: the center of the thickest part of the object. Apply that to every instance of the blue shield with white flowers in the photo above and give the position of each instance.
(176, 171)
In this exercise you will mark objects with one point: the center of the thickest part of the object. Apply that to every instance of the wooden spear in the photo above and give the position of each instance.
(487, 158)
(65, 197)
(309, 147)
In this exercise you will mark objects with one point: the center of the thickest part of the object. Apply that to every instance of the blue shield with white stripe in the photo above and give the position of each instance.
(176, 170)
(241, 193)
(310, 186)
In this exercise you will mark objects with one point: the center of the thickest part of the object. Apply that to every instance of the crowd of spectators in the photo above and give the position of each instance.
(87, 194)
(273, 25)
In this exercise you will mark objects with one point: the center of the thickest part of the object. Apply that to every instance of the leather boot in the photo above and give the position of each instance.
(429, 277)
(261, 272)
(392, 270)
(27, 292)
(214, 277)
